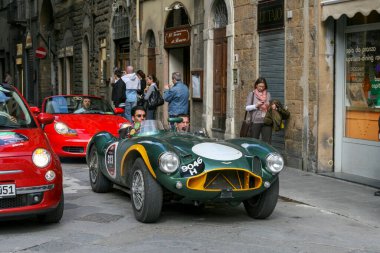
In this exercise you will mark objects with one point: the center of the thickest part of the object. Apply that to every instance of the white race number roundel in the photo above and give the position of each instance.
(216, 151)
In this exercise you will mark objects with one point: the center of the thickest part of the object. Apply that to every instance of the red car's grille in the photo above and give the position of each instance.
(21, 200)
(73, 149)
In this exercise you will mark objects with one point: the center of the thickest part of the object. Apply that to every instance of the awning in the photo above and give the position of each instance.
(336, 8)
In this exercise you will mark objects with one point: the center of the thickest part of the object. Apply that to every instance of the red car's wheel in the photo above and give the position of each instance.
(99, 183)
(262, 206)
(146, 194)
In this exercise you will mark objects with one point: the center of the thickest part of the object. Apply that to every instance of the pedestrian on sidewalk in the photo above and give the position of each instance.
(8, 79)
(177, 95)
(118, 90)
(132, 84)
(140, 93)
(151, 86)
(257, 106)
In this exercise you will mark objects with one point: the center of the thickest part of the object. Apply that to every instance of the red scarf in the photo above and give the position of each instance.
(262, 96)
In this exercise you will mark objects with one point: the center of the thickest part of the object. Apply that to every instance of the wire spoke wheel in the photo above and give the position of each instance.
(94, 166)
(138, 189)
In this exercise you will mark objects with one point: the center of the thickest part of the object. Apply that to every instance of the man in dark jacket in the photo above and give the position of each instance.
(118, 90)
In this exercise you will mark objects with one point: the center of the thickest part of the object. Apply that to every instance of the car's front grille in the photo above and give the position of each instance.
(73, 149)
(21, 200)
(225, 179)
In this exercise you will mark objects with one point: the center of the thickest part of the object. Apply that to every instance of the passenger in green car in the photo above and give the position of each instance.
(183, 126)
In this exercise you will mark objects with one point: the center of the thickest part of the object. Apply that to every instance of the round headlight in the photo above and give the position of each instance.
(275, 162)
(62, 128)
(41, 157)
(50, 175)
(169, 162)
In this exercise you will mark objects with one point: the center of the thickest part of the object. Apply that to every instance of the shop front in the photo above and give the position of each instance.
(357, 87)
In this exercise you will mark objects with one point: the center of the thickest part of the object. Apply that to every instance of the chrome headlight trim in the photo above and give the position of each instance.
(169, 162)
(41, 157)
(274, 162)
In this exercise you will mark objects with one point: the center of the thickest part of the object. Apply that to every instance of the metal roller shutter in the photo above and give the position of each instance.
(271, 62)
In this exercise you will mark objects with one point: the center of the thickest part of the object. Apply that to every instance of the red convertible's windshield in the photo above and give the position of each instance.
(77, 105)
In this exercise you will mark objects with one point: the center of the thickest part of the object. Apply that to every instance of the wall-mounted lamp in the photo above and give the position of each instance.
(177, 6)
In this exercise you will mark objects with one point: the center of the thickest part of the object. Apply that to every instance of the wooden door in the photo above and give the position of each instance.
(152, 61)
(220, 79)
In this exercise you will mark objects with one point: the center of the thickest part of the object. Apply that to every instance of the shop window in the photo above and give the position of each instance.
(362, 80)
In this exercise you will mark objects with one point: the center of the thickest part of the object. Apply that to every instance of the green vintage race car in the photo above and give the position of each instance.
(157, 164)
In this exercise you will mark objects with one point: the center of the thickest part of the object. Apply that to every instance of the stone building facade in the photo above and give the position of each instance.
(221, 47)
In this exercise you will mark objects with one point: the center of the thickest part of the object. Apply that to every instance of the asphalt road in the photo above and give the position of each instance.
(105, 223)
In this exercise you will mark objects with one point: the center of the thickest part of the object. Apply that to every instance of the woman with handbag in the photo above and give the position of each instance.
(257, 107)
(151, 86)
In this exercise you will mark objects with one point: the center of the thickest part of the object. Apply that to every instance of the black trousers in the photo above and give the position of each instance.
(264, 130)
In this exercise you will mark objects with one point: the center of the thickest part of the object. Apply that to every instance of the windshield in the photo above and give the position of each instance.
(13, 111)
(150, 127)
(77, 105)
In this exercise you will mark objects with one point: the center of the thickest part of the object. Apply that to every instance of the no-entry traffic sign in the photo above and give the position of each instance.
(41, 52)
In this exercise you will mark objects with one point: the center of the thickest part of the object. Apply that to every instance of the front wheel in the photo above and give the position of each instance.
(99, 182)
(146, 194)
(262, 206)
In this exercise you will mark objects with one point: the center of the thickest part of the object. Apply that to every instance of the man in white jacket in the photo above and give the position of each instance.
(132, 83)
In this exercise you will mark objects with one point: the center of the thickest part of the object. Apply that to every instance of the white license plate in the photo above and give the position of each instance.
(7, 190)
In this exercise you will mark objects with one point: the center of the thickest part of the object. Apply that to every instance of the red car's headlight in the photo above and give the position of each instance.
(63, 129)
(41, 157)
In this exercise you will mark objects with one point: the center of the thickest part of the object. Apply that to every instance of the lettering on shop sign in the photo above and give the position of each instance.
(270, 15)
(177, 37)
(193, 168)
(362, 54)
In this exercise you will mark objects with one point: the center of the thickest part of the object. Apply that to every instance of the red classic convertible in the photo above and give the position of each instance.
(77, 119)
(30, 172)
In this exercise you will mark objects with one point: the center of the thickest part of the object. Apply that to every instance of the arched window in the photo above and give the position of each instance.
(120, 24)
(220, 12)
(151, 39)
(177, 17)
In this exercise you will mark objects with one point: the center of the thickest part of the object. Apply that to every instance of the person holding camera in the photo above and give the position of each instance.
(257, 106)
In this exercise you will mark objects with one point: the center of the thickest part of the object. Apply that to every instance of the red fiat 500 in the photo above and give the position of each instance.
(77, 119)
(30, 172)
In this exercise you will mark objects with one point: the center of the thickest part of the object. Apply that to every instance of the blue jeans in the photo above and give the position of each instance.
(128, 108)
(150, 114)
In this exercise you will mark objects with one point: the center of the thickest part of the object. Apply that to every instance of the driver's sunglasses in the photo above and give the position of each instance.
(140, 115)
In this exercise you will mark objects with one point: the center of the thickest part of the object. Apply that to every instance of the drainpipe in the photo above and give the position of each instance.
(137, 21)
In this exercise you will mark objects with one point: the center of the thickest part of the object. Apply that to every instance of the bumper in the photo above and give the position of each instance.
(221, 185)
(69, 146)
(30, 201)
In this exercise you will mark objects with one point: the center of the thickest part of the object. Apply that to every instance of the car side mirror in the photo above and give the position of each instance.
(45, 118)
(35, 110)
(118, 110)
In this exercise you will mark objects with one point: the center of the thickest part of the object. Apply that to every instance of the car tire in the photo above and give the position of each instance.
(146, 194)
(53, 216)
(99, 182)
(262, 206)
